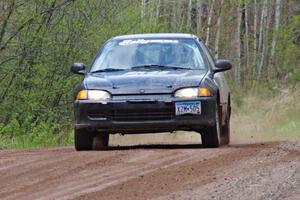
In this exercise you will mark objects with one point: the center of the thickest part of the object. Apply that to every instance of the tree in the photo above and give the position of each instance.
(217, 40)
(238, 67)
(211, 9)
(275, 32)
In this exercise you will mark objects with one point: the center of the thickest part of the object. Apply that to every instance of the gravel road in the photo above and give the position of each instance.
(268, 170)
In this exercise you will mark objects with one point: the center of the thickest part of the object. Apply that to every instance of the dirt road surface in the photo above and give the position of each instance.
(268, 170)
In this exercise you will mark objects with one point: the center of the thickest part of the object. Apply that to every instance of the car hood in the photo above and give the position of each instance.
(144, 82)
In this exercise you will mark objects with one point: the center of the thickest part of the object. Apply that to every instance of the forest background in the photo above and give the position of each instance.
(40, 39)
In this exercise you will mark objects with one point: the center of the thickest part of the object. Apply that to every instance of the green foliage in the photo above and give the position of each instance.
(268, 118)
(288, 51)
(41, 136)
(43, 38)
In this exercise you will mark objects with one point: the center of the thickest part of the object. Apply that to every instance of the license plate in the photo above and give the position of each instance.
(191, 107)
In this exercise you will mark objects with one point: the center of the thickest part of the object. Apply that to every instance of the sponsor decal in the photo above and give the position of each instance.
(143, 41)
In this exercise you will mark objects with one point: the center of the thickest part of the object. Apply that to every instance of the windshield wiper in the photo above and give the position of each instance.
(108, 70)
(159, 67)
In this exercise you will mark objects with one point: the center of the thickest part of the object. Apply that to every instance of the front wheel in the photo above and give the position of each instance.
(100, 141)
(211, 136)
(83, 140)
(86, 140)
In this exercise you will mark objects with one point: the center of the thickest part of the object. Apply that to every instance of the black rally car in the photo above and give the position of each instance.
(149, 83)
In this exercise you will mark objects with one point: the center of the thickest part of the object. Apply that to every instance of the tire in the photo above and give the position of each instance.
(100, 141)
(211, 136)
(83, 140)
(226, 129)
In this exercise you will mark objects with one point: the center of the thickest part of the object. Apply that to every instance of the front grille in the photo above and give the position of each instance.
(144, 112)
(143, 116)
(132, 111)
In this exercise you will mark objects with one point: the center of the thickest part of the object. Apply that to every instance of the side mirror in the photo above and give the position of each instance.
(222, 65)
(78, 68)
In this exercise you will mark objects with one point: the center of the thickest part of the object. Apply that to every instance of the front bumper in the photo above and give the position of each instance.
(129, 115)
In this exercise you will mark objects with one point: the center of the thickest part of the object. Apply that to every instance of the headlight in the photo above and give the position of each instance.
(187, 93)
(96, 95)
(193, 93)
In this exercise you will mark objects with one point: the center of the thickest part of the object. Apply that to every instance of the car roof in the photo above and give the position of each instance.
(155, 35)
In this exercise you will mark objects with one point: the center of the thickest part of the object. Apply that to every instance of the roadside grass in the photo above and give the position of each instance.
(289, 129)
(267, 118)
(33, 140)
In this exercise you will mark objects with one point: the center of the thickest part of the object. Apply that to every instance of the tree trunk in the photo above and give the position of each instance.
(158, 9)
(211, 9)
(5, 18)
(263, 37)
(260, 38)
(143, 3)
(246, 38)
(174, 17)
(1, 6)
(275, 33)
(255, 37)
(237, 71)
(199, 16)
(218, 31)
(266, 41)
(189, 16)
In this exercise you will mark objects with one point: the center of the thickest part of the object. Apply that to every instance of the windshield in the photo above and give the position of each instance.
(164, 53)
